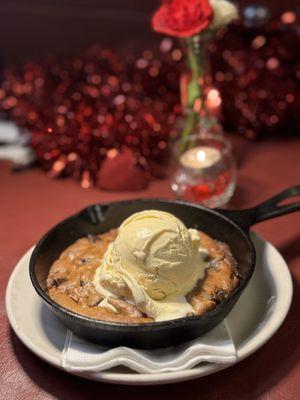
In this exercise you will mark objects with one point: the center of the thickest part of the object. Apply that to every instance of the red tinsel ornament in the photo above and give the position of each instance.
(257, 71)
(80, 110)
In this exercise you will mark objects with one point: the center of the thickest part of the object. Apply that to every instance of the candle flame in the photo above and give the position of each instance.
(213, 98)
(201, 155)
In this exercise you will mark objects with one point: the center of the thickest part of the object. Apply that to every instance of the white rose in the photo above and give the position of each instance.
(224, 13)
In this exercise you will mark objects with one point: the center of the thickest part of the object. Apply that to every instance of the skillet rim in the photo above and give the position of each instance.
(141, 326)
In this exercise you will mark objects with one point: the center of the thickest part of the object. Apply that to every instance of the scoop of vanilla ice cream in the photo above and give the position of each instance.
(156, 261)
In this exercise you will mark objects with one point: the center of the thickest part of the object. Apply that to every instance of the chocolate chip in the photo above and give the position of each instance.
(55, 282)
(219, 296)
(59, 281)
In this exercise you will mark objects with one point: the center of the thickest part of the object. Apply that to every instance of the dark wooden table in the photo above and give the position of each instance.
(30, 203)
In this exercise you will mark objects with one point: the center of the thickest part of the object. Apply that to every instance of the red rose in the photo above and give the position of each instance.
(182, 18)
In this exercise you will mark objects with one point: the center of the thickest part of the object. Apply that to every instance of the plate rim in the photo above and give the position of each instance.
(278, 316)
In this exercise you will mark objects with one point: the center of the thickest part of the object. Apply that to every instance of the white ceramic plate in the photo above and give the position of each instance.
(255, 318)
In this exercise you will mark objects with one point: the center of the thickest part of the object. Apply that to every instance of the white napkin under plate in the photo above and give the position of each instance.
(215, 346)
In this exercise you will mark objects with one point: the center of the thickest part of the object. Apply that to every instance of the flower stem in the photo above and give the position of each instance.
(196, 63)
(195, 60)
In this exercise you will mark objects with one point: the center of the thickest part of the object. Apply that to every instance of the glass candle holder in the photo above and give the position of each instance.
(206, 171)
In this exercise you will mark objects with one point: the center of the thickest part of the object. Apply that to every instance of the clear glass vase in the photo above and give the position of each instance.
(205, 171)
(200, 101)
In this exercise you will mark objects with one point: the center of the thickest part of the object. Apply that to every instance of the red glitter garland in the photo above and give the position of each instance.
(81, 111)
(257, 72)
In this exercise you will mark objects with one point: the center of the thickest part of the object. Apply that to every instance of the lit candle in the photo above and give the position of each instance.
(213, 101)
(200, 157)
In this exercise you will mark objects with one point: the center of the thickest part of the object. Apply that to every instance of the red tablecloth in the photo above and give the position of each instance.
(30, 203)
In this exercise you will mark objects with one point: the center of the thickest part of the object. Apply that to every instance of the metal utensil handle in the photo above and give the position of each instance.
(266, 210)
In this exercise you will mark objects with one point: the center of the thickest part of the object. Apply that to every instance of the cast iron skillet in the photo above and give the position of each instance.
(231, 227)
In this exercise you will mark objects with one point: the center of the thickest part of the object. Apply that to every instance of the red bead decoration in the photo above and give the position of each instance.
(207, 190)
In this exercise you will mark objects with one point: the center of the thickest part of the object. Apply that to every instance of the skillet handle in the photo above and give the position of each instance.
(266, 210)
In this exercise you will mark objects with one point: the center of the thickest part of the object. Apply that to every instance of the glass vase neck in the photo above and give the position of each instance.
(198, 116)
